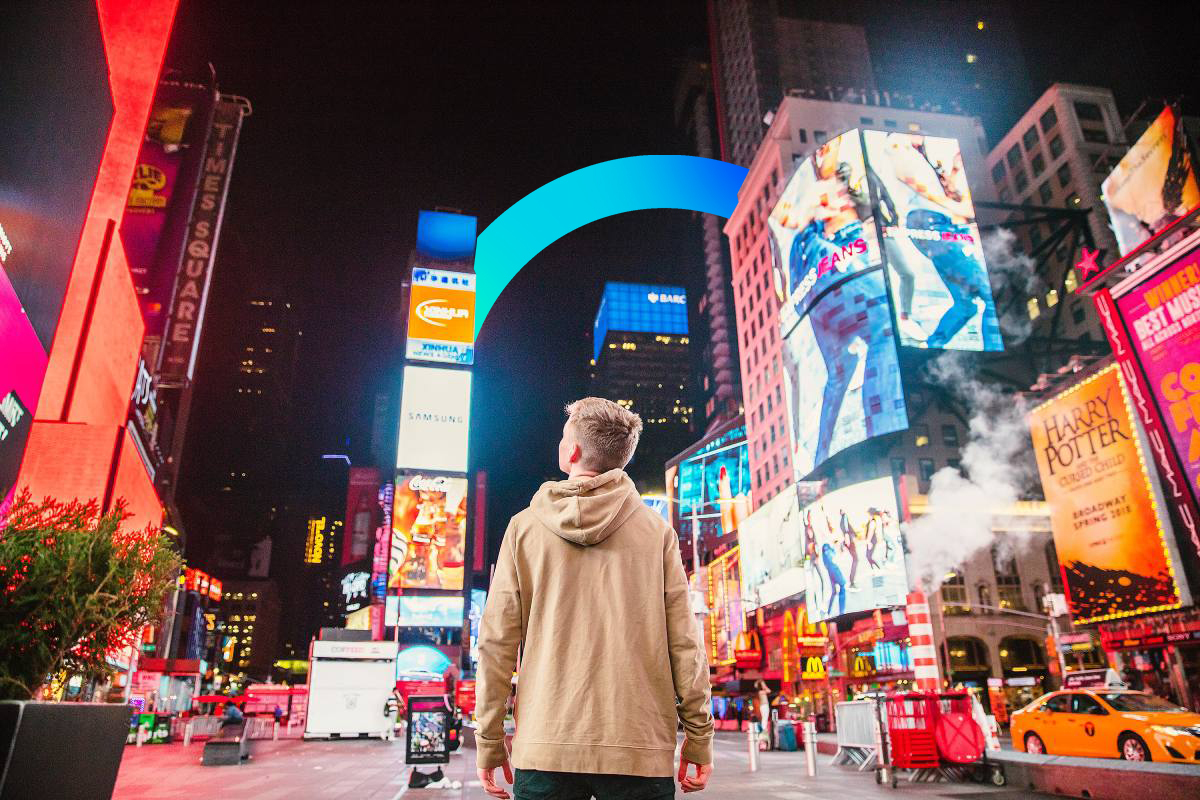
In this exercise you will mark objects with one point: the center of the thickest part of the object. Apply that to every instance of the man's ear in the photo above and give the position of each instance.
(576, 454)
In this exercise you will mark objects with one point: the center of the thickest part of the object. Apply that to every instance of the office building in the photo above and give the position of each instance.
(1056, 156)
(757, 55)
(800, 124)
(641, 360)
(247, 629)
(719, 387)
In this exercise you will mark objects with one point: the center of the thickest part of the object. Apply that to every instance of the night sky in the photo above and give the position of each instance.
(365, 113)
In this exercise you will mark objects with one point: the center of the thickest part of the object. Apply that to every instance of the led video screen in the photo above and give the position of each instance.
(822, 228)
(427, 611)
(1153, 185)
(842, 373)
(435, 416)
(772, 552)
(441, 317)
(713, 485)
(931, 243)
(429, 518)
(853, 552)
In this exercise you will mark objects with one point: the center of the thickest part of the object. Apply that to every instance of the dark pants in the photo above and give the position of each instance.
(533, 784)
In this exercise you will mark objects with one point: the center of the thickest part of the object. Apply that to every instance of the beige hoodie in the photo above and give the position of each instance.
(590, 585)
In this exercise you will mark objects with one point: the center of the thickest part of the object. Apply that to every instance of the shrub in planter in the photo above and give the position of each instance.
(75, 584)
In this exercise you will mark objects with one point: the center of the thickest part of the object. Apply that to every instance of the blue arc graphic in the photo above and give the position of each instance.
(612, 187)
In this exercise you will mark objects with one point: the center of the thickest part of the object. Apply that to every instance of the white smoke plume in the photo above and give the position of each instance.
(1012, 273)
(996, 470)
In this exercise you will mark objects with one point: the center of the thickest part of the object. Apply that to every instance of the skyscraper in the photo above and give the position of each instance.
(641, 360)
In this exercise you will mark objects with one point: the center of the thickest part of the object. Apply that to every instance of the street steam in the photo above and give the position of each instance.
(1013, 274)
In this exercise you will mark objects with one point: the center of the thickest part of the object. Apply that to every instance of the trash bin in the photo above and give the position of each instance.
(785, 735)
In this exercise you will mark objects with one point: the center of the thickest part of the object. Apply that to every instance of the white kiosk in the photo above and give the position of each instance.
(349, 684)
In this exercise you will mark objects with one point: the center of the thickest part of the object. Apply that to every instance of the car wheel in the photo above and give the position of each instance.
(1133, 748)
(1034, 745)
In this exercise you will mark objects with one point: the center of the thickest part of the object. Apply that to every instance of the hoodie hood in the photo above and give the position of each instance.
(586, 510)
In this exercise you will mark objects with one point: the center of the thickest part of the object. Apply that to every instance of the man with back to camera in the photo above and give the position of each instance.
(589, 585)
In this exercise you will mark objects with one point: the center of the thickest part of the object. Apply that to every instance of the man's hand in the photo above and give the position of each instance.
(694, 783)
(487, 778)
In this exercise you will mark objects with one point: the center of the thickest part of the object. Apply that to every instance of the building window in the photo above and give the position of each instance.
(898, 467)
(1056, 583)
(1021, 180)
(1014, 156)
(1045, 193)
(950, 435)
(1030, 139)
(1048, 119)
(866, 121)
(1031, 306)
(1088, 111)
(984, 593)
(889, 123)
(925, 469)
(1077, 312)
(954, 595)
(1064, 176)
(1038, 164)
(998, 172)
(1095, 136)
(1052, 298)
(921, 435)
(1070, 283)
(1056, 147)
(802, 135)
(1004, 195)
(1008, 580)
(819, 137)
(1072, 200)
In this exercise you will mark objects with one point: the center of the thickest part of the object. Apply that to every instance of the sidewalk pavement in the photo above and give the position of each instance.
(374, 770)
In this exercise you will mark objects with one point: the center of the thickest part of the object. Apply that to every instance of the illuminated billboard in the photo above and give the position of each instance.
(441, 317)
(1154, 183)
(931, 243)
(639, 308)
(726, 618)
(711, 485)
(1115, 549)
(822, 228)
(21, 371)
(445, 235)
(362, 493)
(164, 182)
(854, 556)
(841, 373)
(425, 611)
(772, 560)
(1161, 315)
(314, 543)
(429, 518)
(435, 414)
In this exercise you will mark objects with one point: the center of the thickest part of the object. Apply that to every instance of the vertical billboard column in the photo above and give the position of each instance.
(190, 296)
(1157, 328)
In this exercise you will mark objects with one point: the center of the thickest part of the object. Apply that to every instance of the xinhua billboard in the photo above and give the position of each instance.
(441, 317)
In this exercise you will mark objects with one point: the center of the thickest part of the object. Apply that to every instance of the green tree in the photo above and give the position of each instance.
(75, 584)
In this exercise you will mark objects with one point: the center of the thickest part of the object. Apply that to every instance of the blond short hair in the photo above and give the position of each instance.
(607, 433)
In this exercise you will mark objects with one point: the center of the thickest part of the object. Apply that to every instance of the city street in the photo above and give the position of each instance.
(372, 770)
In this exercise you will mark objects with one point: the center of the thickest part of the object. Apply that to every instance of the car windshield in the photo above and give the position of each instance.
(1123, 701)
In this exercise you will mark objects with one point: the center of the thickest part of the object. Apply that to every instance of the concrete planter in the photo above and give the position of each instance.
(68, 751)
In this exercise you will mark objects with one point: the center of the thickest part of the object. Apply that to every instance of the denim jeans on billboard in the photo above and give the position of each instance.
(534, 784)
(961, 272)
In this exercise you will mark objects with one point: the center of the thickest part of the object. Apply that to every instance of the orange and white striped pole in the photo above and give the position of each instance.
(921, 650)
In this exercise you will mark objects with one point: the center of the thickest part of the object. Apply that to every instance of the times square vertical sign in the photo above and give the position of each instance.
(189, 297)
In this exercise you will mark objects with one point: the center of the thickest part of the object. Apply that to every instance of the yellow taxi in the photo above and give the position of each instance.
(1107, 723)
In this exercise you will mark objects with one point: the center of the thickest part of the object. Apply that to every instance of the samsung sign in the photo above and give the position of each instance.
(435, 413)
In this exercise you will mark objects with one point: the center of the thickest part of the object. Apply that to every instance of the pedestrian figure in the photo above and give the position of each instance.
(590, 586)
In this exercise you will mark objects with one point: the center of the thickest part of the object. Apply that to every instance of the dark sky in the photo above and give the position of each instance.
(366, 112)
